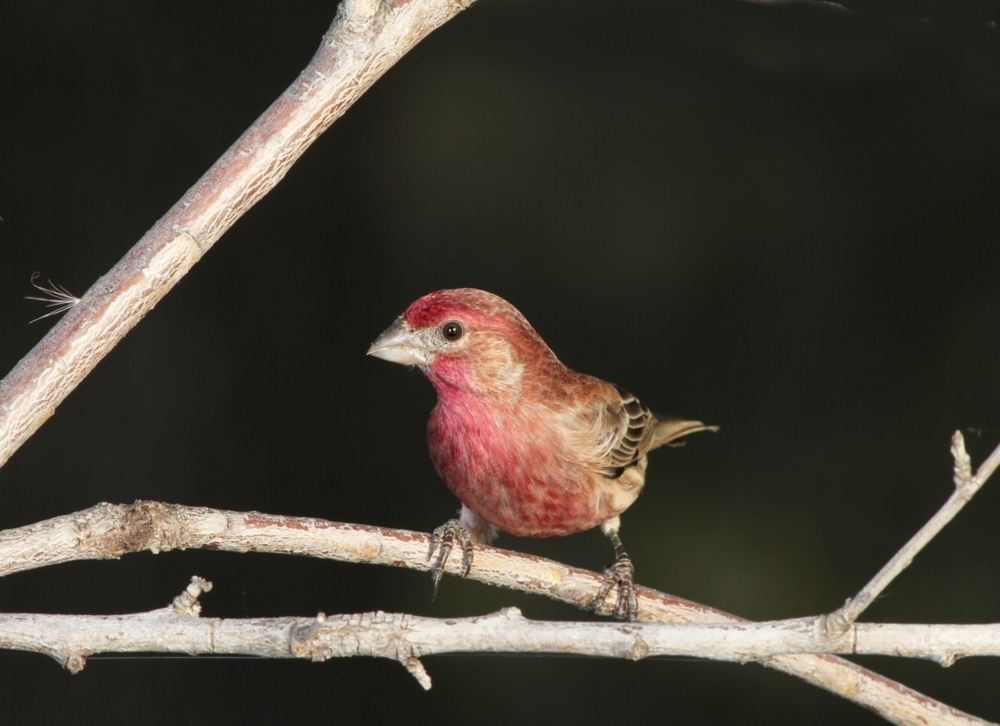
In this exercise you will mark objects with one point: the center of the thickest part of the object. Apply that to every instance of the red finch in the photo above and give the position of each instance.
(528, 446)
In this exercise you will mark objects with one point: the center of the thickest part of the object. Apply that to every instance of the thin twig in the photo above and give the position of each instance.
(966, 486)
(109, 531)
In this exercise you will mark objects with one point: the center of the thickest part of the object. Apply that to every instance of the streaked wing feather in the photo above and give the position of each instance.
(635, 432)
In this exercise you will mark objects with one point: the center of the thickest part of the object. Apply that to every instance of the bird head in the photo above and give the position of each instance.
(463, 339)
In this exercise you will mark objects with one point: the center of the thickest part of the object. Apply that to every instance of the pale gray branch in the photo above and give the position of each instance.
(70, 639)
(366, 38)
(109, 531)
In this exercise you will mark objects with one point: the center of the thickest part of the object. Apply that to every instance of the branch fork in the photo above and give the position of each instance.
(966, 486)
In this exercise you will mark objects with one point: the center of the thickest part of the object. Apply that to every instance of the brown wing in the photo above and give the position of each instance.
(634, 434)
(620, 431)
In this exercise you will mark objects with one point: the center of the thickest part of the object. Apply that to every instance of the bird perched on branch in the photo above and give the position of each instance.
(527, 445)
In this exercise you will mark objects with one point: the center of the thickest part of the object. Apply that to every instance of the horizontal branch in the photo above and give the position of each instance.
(406, 638)
(109, 531)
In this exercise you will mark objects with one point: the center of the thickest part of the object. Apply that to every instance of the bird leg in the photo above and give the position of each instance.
(620, 574)
(445, 536)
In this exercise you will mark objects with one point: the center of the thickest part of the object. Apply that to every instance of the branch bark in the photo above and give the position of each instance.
(70, 639)
(366, 38)
(108, 531)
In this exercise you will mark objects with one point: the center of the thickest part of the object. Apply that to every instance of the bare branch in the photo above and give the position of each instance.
(109, 531)
(966, 486)
(365, 39)
(70, 639)
(380, 634)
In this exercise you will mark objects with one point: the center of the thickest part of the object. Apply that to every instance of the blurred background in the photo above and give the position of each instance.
(802, 204)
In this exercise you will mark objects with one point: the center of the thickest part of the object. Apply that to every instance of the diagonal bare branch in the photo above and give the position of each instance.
(365, 39)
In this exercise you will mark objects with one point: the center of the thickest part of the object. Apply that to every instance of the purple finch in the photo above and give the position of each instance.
(527, 445)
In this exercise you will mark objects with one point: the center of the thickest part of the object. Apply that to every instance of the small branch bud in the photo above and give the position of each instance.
(963, 464)
(187, 602)
(75, 663)
(417, 670)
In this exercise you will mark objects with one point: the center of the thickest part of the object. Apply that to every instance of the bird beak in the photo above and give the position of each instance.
(400, 343)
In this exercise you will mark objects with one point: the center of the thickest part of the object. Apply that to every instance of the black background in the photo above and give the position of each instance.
(780, 221)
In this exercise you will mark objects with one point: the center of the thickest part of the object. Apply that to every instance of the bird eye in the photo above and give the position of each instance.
(452, 331)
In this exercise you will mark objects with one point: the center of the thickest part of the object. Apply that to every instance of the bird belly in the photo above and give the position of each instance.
(521, 483)
(530, 507)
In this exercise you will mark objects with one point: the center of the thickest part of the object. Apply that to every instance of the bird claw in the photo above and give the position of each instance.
(445, 537)
(621, 574)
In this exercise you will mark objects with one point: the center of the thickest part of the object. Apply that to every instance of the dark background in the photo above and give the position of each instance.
(778, 220)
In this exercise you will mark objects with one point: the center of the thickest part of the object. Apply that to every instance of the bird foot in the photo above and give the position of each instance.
(619, 574)
(445, 537)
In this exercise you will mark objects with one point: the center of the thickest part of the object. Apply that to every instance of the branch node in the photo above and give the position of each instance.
(948, 659)
(362, 11)
(509, 613)
(417, 670)
(186, 603)
(304, 640)
(835, 624)
(963, 463)
(131, 528)
(640, 649)
(74, 663)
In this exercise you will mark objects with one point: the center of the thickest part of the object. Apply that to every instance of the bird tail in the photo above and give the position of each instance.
(671, 431)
